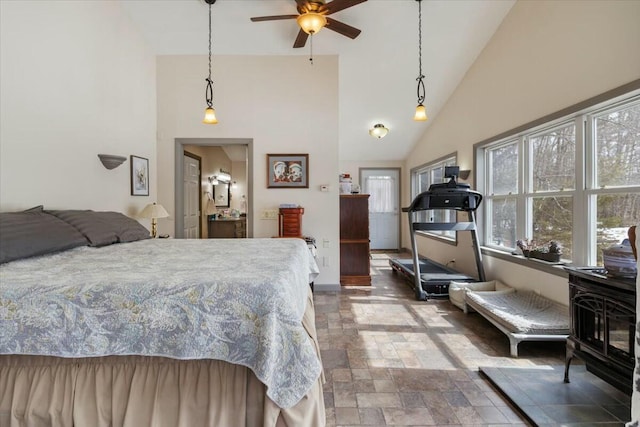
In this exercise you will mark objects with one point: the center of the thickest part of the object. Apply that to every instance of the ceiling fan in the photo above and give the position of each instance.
(313, 17)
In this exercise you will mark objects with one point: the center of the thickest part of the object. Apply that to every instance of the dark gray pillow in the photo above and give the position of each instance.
(33, 232)
(103, 228)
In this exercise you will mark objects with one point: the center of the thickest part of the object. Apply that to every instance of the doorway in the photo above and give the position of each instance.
(383, 187)
(179, 190)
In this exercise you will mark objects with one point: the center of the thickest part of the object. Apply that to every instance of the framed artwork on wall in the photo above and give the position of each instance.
(287, 171)
(139, 176)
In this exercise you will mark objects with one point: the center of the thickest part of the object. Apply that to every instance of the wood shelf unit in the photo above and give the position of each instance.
(354, 240)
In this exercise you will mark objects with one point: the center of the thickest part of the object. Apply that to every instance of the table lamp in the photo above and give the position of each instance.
(154, 211)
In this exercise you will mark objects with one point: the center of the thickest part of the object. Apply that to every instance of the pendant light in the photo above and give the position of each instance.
(421, 111)
(210, 112)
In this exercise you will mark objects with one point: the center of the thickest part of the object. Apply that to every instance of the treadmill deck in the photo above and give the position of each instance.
(434, 277)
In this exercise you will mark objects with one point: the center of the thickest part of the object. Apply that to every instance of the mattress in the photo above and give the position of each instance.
(523, 312)
(241, 301)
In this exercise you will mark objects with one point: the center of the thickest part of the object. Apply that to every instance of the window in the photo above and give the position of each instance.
(421, 179)
(572, 179)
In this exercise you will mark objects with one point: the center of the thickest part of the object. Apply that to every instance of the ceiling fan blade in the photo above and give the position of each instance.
(342, 28)
(272, 18)
(301, 40)
(338, 5)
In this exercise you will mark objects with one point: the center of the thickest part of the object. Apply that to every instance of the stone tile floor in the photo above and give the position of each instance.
(391, 360)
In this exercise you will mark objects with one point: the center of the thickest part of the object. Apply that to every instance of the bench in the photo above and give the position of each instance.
(520, 314)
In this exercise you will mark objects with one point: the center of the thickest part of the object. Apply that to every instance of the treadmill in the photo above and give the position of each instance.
(429, 278)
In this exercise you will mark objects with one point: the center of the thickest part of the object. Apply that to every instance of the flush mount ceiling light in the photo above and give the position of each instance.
(421, 111)
(210, 112)
(378, 131)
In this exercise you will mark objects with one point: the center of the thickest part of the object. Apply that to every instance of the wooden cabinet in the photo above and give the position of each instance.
(227, 228)
(354, 240)
(290, 222)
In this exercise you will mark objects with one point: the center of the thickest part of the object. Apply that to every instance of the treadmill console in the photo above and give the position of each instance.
(449, 195)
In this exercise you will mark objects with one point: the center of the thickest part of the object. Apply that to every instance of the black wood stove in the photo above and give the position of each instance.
(603, 319)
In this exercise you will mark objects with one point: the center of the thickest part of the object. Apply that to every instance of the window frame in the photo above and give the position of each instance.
(450, 159)
(583, 116)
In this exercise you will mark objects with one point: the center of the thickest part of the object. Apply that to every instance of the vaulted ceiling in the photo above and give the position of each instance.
(377, 70)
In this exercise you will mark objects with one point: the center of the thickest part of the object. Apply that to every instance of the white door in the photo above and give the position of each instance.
(383, 186)
(191, 191)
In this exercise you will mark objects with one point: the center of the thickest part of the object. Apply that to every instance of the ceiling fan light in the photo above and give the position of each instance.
(311, 22)
(378, 131)
(421, 113)
(210, 116)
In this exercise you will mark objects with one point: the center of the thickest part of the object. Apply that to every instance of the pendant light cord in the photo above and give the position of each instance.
(209, 91)
(421, 89)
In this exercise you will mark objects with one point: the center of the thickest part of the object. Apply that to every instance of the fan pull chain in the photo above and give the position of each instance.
(311, 46)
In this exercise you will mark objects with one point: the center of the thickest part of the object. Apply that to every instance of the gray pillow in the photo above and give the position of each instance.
(103, 228)
(33, 232)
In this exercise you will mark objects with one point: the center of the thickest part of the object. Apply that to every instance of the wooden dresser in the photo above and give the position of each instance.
(290, 222)
(354, 240)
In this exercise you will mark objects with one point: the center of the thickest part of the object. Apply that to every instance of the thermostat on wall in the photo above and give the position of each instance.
(324, 188)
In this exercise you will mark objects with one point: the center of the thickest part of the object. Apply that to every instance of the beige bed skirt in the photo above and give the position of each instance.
(135, 391)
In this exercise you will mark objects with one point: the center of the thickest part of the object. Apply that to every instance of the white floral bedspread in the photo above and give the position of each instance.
(237, 300)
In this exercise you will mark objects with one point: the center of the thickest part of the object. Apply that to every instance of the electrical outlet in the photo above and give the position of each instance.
(325, 261)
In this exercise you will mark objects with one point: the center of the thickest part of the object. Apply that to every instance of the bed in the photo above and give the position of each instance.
(522, 315)
(162, 332)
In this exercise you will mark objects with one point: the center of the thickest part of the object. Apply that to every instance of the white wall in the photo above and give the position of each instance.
(545, 56)
(285, 106)
(76, 80)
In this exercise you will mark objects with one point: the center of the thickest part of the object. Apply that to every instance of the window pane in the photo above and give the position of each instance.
(553, 220)
(441, 215)
(504, 169)
(616, 213)
(618, 147)
(554, 154)
(423, 182)
(503, 222)
(438, 175)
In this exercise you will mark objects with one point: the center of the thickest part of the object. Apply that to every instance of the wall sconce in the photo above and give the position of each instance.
(378, 131)
(464, 174)
(111, 161)
(154, 211)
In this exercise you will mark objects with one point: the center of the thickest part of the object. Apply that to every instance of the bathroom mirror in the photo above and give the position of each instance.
(222, 194)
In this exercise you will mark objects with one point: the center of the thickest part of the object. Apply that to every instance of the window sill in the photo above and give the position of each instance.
(536, 264)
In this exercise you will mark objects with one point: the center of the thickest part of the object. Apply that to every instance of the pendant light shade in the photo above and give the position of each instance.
(210, 116)
(421, 111)
(209, 112)
(311, 22)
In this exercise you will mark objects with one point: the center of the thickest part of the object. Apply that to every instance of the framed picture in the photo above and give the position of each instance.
(139, 176)
(287, 171)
